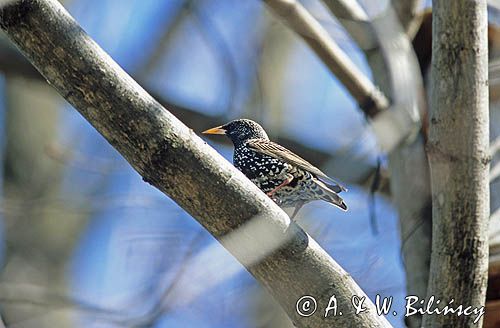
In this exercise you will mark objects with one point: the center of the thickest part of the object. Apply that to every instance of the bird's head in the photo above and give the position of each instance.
(240, 131)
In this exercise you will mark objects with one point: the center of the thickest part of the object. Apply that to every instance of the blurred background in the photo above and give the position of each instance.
(84, 242)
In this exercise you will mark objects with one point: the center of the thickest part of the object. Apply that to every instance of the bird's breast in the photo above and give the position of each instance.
(257, 166)
(268, 173)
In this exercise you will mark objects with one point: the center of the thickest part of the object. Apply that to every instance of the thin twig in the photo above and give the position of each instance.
(355, 20)
(220, 49)
(153, 60)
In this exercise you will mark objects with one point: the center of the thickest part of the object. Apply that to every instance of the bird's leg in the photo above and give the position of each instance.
(297, 208)
(288, 179)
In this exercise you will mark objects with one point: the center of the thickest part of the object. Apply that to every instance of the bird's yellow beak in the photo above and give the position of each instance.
(216, 130)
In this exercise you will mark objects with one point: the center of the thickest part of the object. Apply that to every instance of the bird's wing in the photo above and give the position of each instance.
(272, 149)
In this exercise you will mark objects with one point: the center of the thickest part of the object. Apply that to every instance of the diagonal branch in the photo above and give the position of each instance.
(408, 15)
(172, 158)
(369, 98)
(355, 20)
(346, 166)
(153, 60)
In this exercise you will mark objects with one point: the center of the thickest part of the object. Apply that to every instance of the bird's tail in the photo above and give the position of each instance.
(331, 196)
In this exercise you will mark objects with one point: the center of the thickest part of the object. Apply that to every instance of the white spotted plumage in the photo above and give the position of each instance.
(289, 180)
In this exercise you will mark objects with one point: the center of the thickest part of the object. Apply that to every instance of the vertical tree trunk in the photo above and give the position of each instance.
(459, 158)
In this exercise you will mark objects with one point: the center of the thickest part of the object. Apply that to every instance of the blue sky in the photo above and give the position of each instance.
(122, 260)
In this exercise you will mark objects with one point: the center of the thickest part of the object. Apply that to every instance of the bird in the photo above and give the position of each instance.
(288, 179)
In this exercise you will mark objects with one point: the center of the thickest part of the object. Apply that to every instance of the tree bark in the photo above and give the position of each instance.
(458, 150)
(348, 167)
(170, 156)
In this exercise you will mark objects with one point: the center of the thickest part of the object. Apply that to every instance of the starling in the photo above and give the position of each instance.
(287, 178)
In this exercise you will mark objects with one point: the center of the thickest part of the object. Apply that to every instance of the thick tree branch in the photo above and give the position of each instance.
(172, 158)
(11, 62)
(369, 98)
(459, 157)
(347, 167)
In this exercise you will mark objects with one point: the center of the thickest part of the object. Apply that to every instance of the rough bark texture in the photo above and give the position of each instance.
(459, 158)
(174, 159)
(348, 167)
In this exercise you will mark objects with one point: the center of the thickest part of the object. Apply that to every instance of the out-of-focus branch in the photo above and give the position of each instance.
(12, 62)
(354, 19)
(191, 10)
(356, 22)
(347, 167)
(369, 98)
(221, 51)
(395, 68)
(408, 15)
(175, 160)
(36, 251)
(153, 60)
(495, 147)
(495, 173)
(495, 164)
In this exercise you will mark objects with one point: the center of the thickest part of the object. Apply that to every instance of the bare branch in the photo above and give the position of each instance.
(370, 99)
(12, 63)
(152, 62)
(348, 167)
(408, 16)
(395, 68)
(33, 295)
(356, 22)
(459, 156)
(172, 158)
